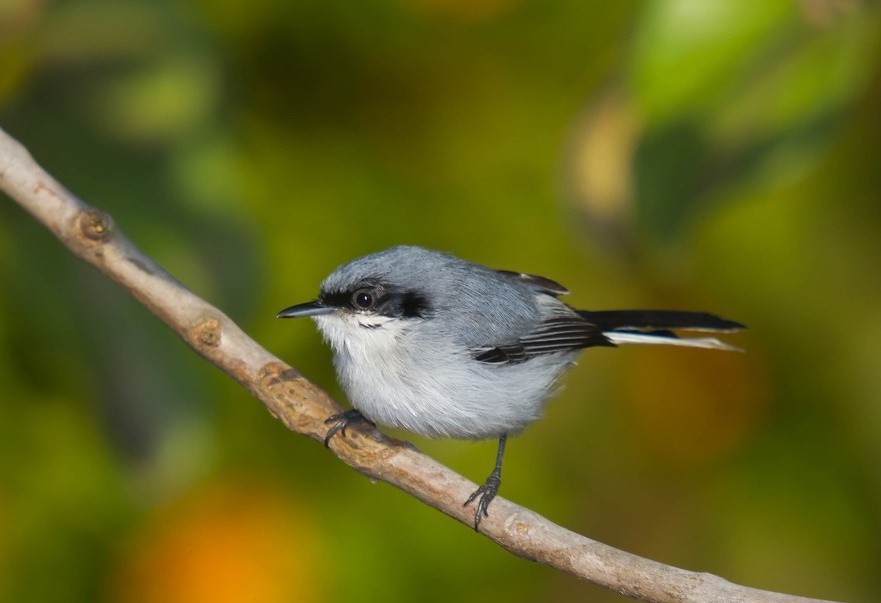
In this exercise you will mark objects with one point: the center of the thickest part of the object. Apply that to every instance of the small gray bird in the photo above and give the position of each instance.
(441, 347)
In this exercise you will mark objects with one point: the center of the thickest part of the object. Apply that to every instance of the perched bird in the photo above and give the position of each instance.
(442, 347)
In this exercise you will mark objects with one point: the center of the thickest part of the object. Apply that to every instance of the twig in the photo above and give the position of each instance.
(302, 406)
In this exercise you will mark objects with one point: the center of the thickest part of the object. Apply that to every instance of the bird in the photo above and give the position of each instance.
(446, 348)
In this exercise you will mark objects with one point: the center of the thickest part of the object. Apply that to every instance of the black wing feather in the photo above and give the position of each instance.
(559, 334)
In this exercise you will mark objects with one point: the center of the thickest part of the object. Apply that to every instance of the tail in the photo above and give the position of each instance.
(656, 327)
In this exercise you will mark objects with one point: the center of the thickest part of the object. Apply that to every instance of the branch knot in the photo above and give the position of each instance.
(95, 225)
(207, 332)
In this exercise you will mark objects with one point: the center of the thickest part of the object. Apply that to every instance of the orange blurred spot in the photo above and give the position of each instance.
(694, 406)
(232, 542)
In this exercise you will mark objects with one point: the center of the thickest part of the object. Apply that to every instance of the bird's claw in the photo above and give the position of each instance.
(340, 421)
(486, 493)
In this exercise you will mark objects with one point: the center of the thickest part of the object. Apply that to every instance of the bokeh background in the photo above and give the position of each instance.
(684, 154)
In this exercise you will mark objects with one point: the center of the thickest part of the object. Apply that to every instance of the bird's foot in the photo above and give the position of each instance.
(486, 493)
(340, 421)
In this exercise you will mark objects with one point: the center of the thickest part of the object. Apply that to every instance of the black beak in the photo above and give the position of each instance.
(312, 308)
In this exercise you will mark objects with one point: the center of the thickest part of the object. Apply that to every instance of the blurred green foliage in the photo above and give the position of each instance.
(673, 153)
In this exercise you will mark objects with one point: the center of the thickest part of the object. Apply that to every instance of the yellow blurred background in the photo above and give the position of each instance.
(718, 156)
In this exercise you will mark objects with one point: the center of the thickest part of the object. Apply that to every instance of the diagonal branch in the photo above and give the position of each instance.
(302, 406)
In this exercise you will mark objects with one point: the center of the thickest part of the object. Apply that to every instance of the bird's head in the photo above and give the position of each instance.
(385, 291)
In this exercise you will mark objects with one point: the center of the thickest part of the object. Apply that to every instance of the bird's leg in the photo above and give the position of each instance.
(487, 492)
(340, 421)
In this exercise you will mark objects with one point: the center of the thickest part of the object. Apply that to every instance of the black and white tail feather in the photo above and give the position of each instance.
(656, 327)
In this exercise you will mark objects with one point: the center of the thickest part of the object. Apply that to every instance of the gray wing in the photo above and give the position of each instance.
(557, 334)
(562, 330)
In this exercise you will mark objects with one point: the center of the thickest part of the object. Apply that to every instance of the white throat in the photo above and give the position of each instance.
(360, 336)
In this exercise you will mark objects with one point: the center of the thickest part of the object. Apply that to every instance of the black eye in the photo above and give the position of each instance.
(363, 299)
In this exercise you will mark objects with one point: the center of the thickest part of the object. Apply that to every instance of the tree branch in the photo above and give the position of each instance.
(302, 406)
